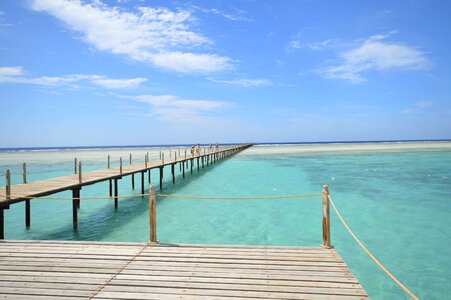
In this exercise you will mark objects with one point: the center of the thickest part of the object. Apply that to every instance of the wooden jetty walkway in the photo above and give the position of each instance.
(92, 270)
(10, 194)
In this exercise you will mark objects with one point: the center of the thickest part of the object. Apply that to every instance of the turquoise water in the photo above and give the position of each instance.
(397, 202)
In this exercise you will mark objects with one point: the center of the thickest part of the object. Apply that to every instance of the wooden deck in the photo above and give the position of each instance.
(21, 192)
(92, 270)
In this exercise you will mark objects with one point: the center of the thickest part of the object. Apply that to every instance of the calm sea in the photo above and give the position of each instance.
(398, 201)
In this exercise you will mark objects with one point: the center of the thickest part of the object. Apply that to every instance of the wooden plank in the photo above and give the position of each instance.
(238, 275)
(243, 280)
(149, 286)
(45, 291)
(217, 291)
(157, 272)
(36, 297)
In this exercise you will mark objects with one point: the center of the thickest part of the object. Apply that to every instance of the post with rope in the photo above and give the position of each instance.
(79, 172)
(161, 177)
(27, 202)
(152, 216)
(173, 173)
(326, 217)
(110, 183)
(24, 173)
(75, 205)
(8, 184)
(133, 174)
(80, 181)
(142, 182)
(115, 193)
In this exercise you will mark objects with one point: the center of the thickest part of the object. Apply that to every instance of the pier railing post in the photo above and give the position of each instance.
(120, 165)
(130, 158)
(152, 216)
(75, 165)
(145, 160)
(8, 184)
(79, 172)
(162, 158)
(326, 217)
(24, 173)
(109, 162)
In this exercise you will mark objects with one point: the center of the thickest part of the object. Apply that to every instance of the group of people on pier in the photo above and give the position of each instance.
(196, 149)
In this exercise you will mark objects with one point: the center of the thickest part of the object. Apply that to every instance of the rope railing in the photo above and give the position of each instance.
(165, 196)
(375, 260)
(326, 199)
(97, 161)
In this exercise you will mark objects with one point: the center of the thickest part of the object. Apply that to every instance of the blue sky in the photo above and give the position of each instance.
(154, 72)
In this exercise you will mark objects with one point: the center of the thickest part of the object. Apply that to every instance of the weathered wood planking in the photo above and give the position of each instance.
(93, 270)
(21, 192)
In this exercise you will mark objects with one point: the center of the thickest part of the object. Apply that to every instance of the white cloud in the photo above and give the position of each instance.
(17, 75)
(296, 43)
(246, 82)
(375, 54)
(417, 107)
(119, 83)
(175, 109)
(151, 35)
(238, 15)
(6, 72)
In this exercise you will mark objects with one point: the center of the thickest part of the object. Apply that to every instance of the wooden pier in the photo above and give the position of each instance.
(91, 270)
(10, 194)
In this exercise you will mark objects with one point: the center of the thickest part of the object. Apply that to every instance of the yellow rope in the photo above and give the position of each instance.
(403, 287)
(167, 196)
(239, 198)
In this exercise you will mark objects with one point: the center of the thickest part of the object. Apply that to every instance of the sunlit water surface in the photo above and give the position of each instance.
(398, 202)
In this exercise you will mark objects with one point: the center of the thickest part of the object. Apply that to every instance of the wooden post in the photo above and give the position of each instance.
(79, 172)
(8, 184)
(185, 153)
(130, 158)
(115, 193)
(173, 173)
(162, 158)
(110, 188)
(183, 169)
(145, 161)
(152, 216)
(120, 165)
(203, 161)
(148, 175)
(161, 177)
(133, 181)
(198, 163)
(160, 154)
(109, 161)
(75, 199)
(326, 217)
(2, 223)
(27, 214)
(191, 164)
(142, 183)
(75, 166)
(24, 172)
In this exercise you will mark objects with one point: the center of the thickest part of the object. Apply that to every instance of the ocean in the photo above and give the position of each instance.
(395, 196)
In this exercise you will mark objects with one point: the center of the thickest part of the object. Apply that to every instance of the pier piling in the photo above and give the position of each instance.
(326, 217)
(152, 216)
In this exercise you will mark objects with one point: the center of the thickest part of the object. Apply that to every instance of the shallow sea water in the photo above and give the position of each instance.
(398, 203)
